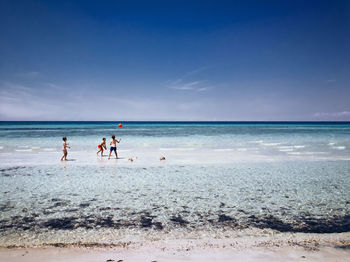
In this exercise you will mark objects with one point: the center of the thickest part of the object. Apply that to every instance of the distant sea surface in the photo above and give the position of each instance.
(218, 179)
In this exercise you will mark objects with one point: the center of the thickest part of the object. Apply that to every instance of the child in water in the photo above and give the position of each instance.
(64, 149)
(113, 144)
(101, 146)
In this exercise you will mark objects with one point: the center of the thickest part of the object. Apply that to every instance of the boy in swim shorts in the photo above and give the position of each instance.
(101, 146)
(113, 145)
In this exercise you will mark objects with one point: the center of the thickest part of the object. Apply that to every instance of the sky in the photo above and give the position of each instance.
(286, 60)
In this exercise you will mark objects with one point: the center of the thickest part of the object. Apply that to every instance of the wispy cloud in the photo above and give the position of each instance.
(202, 89)
(335, 115)
(331, 80)
(180, 85)
(198, 85)
(29, 75)
(186, 83)
(195, 71)
(21, 102)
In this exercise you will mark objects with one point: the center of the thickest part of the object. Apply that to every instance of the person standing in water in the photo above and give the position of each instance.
(113, 145)
(64, 149)
(101, 146)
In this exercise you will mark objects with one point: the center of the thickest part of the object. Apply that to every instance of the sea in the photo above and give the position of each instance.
(172, 180)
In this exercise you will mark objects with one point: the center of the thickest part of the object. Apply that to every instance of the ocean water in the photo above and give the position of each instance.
(218, 179)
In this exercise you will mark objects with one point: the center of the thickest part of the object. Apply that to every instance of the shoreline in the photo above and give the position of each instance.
(286, 247)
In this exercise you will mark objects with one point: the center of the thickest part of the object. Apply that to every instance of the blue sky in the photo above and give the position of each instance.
(174, 60)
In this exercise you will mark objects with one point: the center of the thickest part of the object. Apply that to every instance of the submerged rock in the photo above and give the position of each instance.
(178, 219)
(224, 218)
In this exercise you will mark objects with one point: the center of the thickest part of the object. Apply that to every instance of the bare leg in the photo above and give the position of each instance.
(116, 155)
(110, 152)
(98, 151)
(65, 155)
(101, 152)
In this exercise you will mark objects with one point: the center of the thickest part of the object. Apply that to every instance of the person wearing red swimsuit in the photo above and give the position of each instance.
(102, 146)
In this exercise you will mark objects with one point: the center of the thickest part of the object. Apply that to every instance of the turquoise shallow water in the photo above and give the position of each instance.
(301, 184)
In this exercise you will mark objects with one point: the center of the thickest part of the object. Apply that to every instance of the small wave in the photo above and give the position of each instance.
(23, 150)
(291, 147)
(256, 142)
(223, 149)
(271, 144)
(1, 147)
(307, 153)
(339, 147)
(48, 149)
(331, 143)
(285, 149)
(242, 149)
(36, 147)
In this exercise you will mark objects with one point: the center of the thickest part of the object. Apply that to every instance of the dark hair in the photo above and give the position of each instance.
(104, 138)
(64, 138)
(113, 136)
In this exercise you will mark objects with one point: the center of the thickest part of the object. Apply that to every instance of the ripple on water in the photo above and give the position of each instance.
(287, 197)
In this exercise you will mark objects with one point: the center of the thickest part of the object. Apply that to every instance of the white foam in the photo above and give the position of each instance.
(290, 147)
(23, 150)
(331, 143)
(48, 149)
(307, 153)
(36, 147)
(242, 149)
(271, 144)
(285, 149)
(223, 149)
(339, 147)
(1, 147)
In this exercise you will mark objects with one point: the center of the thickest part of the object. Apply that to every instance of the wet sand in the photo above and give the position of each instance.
(75, 254)
(282, 247)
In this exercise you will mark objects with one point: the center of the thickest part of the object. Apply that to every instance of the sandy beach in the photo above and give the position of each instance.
(290, 247)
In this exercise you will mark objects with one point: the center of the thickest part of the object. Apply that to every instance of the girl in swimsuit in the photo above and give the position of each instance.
(64, 149)
(101, 146)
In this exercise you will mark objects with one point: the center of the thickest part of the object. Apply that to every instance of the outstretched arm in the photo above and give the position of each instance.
(119, 140)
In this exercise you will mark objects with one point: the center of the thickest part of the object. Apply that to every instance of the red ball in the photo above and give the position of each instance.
(120, 125)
